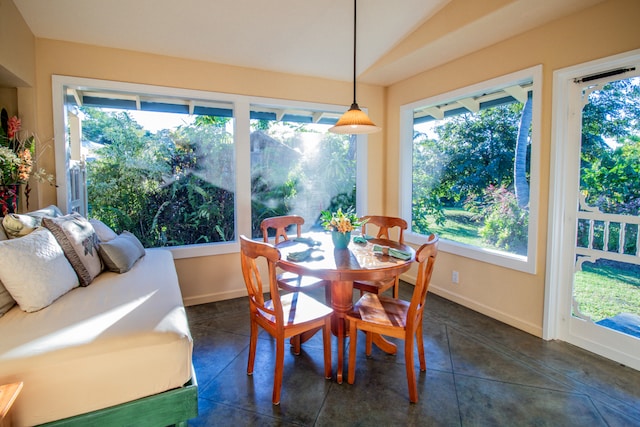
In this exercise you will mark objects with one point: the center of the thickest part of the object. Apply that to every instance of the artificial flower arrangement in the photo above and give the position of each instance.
(17, 163)
(17, 151)
(342, 222)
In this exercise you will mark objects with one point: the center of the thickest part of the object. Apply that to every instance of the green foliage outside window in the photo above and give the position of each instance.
(299, 170)
(169, 189)
(176, 187)
(469, 166)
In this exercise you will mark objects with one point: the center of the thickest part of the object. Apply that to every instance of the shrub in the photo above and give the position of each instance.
(505, 223)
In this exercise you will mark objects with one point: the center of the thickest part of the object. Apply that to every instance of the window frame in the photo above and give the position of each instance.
(525, 264)
(241, 112)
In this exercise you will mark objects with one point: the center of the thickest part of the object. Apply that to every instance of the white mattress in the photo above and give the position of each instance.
(123, 337)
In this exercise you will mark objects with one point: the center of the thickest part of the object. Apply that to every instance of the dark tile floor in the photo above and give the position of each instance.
(480, 372)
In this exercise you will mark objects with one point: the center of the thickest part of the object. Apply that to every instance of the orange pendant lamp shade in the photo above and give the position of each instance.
(354, 121)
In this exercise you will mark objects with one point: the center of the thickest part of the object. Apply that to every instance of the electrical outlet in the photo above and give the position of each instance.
(454, 277)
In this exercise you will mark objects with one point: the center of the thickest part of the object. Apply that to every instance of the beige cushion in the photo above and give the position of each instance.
(3, 235)
(34, 270)
(51, 211)
(6, 300)
(19, 225)
(104, 232)
(121, 253)
(79, 243)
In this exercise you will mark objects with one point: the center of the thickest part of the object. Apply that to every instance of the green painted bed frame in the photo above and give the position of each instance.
(172, 407)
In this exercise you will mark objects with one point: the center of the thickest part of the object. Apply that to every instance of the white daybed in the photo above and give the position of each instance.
(116, 352)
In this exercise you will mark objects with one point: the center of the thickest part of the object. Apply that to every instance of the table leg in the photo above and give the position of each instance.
(306, 336)
(342, 303)
(383, 344)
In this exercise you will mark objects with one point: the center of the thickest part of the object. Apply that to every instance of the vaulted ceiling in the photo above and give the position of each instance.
(396, 39)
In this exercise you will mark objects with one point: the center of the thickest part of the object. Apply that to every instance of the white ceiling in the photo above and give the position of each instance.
(305, 37)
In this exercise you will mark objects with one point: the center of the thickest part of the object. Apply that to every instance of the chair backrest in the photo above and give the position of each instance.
(280, 224)
(426, 259)
(384, 223)
(251, 252)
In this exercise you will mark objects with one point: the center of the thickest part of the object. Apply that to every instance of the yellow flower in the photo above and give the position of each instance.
(340, 221)
(26, 165)
(16, 156)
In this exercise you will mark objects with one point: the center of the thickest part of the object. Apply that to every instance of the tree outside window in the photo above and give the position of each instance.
(471, 172)
(170, 188)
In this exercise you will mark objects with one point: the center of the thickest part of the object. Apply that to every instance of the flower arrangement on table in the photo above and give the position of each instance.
(341, 224)
(17, 162)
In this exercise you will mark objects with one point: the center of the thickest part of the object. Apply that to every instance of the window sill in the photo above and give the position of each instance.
(490, 256)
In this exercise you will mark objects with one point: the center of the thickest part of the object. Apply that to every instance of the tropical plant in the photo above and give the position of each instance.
(172, 188)
(17, 155)
(506, 223)
(342, 222)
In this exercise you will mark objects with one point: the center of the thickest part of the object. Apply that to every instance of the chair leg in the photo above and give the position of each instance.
(420, 342)
(411, 374)
(296, 344)
(326, 338)
(396, 288)
(353, 343)
(369, 345)
(253, 341)
(277, 375)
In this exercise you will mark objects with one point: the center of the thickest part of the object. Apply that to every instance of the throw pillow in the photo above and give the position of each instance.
(121, 253)
(3, 235)
(6, 300)
(104, 232)
(19, 225)
(79, 243)
(35, 271)
(50, 211)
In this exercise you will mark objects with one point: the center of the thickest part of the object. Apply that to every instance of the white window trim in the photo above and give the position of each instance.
(525, 264)
(241, 105)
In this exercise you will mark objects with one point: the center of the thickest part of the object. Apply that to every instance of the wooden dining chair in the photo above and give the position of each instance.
(282, 317)
(384, 224)
(286, 280)
(395, 318)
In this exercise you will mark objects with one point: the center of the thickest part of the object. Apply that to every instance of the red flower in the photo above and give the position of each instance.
(14, 127)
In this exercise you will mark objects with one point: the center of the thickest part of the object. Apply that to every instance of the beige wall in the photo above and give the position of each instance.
(212, 277)
(9, 100)
(17, 61)
(606, 29)
(17, 73)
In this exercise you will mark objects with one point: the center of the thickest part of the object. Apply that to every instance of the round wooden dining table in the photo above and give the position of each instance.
(341, 267)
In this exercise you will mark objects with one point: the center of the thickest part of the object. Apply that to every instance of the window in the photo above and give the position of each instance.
(170, 186)
(208, 172)
(472, 174)
(298, 168)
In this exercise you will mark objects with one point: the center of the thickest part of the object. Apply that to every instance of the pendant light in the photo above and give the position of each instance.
(354, 121)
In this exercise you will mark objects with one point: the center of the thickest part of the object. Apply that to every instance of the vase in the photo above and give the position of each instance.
(340, 240)
(9, 198)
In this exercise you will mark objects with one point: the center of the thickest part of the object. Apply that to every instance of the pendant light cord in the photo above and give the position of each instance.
(355, 14)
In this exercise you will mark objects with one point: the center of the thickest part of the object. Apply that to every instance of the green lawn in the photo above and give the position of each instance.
(605, 288)
(459, 226)
(602, 290)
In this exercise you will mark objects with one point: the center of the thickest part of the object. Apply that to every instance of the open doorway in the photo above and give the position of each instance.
(593, 281)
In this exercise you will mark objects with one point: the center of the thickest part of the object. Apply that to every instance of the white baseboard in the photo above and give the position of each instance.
(481, 308)
(215, 296)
